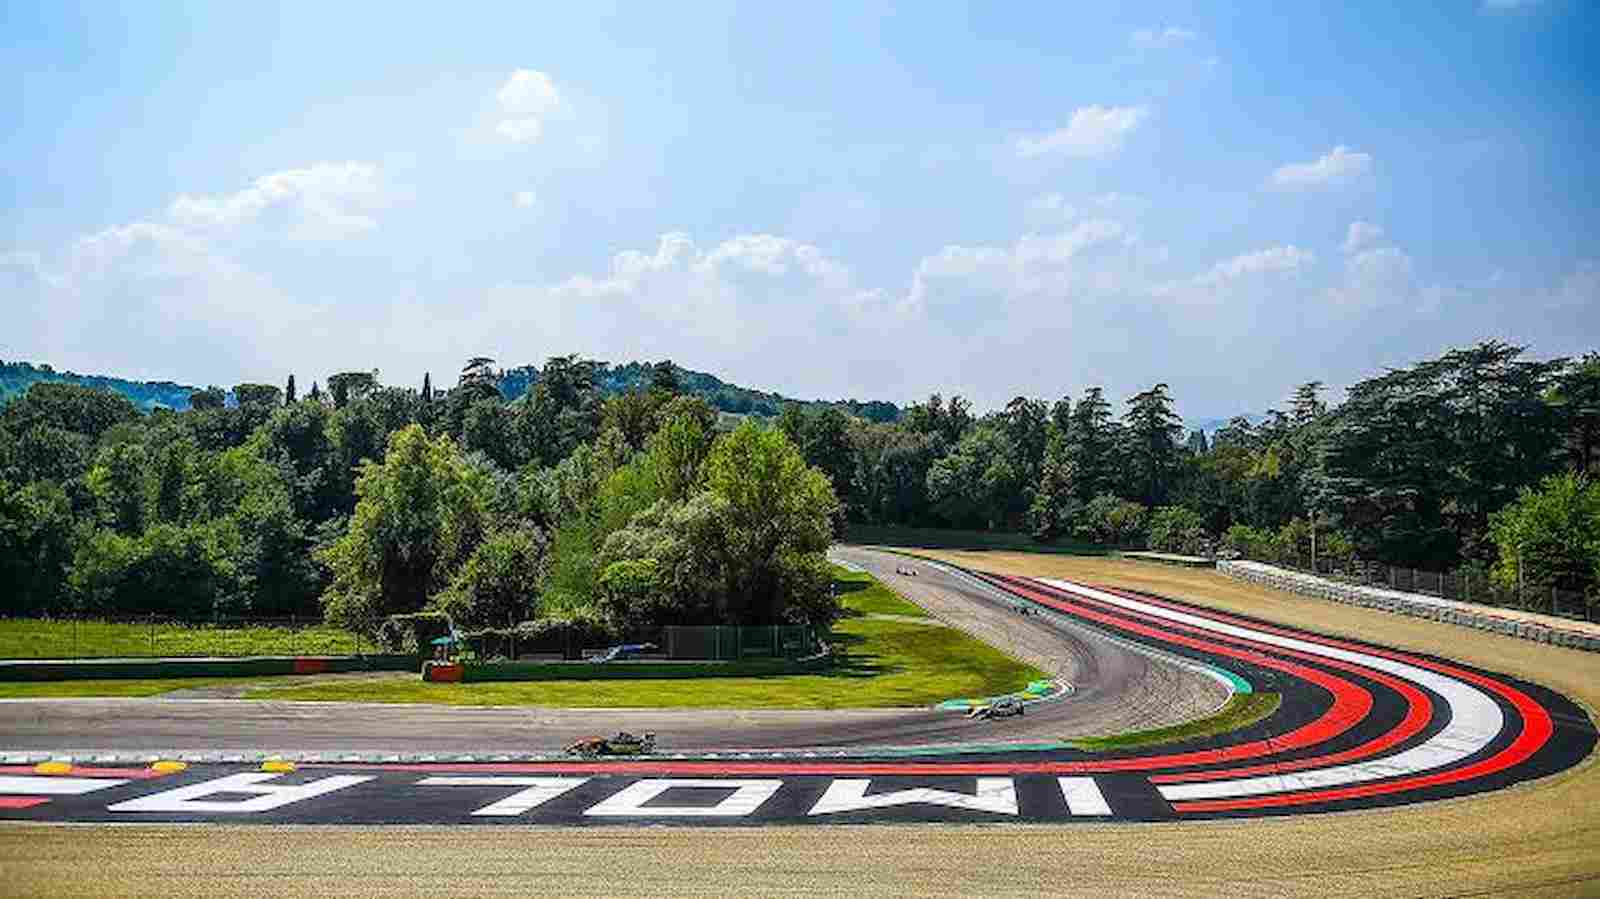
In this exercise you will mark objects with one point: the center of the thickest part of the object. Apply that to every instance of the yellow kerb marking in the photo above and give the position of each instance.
(169, 767)
(53, 768)
(277, 766)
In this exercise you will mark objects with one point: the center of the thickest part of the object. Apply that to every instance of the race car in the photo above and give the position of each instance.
(1004, 707)
(623, 743)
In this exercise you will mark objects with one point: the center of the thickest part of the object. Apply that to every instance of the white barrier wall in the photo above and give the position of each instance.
(1484, 618)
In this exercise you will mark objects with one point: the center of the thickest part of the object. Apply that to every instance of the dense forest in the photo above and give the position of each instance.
(618, 496)
(611, 380)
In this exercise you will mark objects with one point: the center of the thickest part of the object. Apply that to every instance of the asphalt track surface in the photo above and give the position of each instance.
(1360, 726)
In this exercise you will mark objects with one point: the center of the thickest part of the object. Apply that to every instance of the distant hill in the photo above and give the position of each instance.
(17, 377)
(718, 393)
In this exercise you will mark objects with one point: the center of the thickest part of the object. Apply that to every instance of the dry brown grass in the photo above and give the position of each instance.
(1540, 839)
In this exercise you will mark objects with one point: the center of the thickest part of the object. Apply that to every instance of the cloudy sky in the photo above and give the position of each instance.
(853, 200)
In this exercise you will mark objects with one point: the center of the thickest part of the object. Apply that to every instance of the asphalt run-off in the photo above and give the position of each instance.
(1359, 726)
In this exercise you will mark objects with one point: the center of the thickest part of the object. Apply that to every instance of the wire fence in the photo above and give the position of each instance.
(708, 643)
(155, 636)
(1463, 585)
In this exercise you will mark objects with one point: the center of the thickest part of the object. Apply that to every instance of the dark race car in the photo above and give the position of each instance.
(623, 743)
(1004, 707)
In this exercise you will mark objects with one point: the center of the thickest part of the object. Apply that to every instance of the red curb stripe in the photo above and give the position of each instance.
(310, 666)
(22, 801)
(1419, 708)
(1537, 730)
(1351, 702)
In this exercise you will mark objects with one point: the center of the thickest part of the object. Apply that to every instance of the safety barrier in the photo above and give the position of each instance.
(123, 669)
(1485, 618)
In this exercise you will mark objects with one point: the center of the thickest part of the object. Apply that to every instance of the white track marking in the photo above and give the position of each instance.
(267, 796)
(539, 791)
(55, 786)
(1083, 796)
(994, 794)
(1475, 719)
(748, 795)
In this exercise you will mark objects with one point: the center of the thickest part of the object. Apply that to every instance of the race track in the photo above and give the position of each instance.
(1360, 726)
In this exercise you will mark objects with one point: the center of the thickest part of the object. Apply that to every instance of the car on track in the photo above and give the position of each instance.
(1004, 707)
(623, 743)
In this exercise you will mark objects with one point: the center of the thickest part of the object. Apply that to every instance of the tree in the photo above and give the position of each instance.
(257, 395)
(1575, 397)
(412, 514)
(1091, 446)
(1176, 529)
(1152, 429)
(288, 391)
(212, 397)
(80, 410)
(427, 387)
(1108, 519)
(500, 583)
(351, 385)
(118, 484)
(777, 524)
(1550, 536)
(36, 535)
(664, 379)
(315, 395)
(1026, 425)
(977, 484)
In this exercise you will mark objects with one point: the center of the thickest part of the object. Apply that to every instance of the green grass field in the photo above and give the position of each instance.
(32, 638)
(942, 538)
(1241, 710)
(861, 595)
(882, 662)
(68, 689)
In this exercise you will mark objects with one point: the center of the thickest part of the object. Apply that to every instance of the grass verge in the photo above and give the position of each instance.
(34, 638)
(1242, 710)
(68, 689)
(859, 594)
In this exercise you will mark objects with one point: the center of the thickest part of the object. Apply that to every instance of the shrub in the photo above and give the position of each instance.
(1177, 529)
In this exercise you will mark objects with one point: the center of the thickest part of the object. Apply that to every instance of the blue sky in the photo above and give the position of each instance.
(860, 200)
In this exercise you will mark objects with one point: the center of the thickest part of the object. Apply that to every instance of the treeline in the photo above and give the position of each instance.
(362, 501)
(17, 377)
(1479, 458)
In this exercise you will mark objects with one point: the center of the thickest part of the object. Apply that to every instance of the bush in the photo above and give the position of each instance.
(1177, 529)
(1248, 541)
(1107, 519)
(183, 571)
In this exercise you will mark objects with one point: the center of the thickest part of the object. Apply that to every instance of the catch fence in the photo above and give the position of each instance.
(685, 642)
(1463, 585)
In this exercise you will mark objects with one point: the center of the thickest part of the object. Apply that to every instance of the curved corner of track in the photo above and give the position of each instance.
(1359, 726)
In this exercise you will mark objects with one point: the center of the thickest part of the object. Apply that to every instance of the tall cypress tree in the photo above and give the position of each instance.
(288, 392)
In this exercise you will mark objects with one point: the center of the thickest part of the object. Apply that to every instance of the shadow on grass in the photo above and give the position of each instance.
(976, 541)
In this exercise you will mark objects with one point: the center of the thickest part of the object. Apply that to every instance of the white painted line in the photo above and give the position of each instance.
(267, 796)
(1083, 796)
(994, 794)
(539, 791)
(1475, 719)
(55, 786)
(747, 796)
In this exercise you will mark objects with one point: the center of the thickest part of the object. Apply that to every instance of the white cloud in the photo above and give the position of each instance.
(1274, 259)
(1377, 278)
(1361, 235)
(526, 99)
(1163, 39)
(1337, 165)
(325, 201)
(1238, 278)
(525, 199)
(1092, 131)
